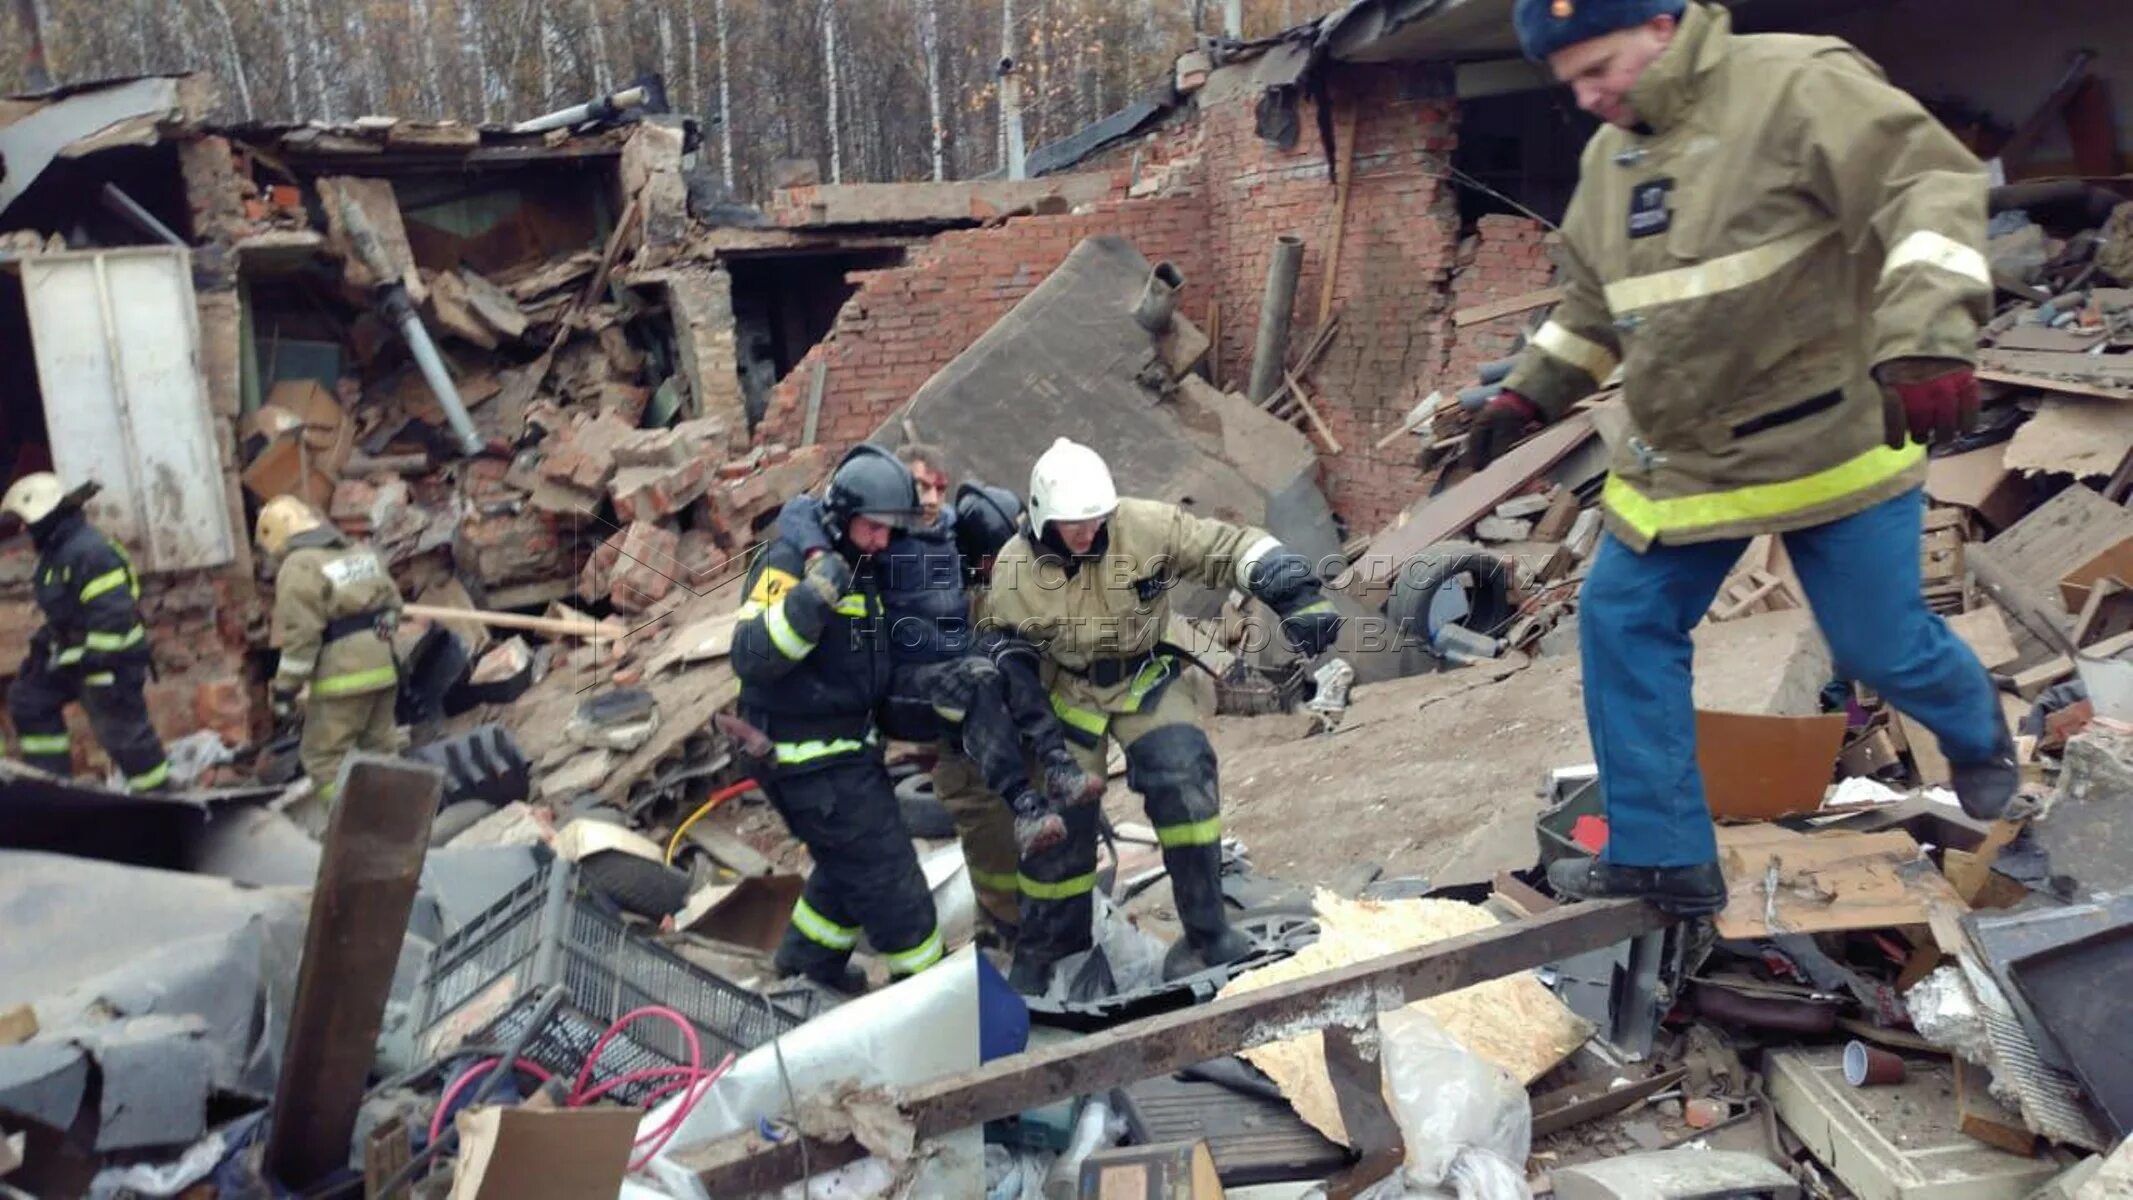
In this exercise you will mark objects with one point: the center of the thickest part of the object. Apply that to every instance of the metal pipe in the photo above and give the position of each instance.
(1159, 298)
(1233, 18)
(578, 114)
(1270, 354)
(440, 379)
(1011, 119)
(130, 209)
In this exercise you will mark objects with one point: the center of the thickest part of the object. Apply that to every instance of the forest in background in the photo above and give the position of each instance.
(873, 90)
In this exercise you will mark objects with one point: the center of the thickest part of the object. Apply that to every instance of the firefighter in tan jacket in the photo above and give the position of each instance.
(1088, 585)
(335, 606)
(1781, 253)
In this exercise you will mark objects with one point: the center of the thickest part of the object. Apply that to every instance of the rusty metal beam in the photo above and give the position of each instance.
(367, 875)
(1352, 996)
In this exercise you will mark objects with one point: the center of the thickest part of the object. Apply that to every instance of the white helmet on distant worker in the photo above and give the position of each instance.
(33, 497)
(1070, 483)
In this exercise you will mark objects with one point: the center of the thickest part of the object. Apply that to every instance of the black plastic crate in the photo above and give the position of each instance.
(484, 981)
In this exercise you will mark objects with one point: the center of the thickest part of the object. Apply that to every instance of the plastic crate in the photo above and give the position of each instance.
(484, 981)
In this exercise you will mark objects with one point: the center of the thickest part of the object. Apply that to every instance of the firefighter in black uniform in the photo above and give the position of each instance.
(811, 648)
(92, 648)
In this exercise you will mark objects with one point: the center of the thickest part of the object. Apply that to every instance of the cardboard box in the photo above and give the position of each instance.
(560, 1154)
(2115, 562)
(1759, 768)
(1981, 482)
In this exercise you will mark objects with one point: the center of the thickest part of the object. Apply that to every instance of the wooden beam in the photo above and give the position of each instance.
(1505, 308)
(1346, 171)
(1352, 996)
(367, 875)
(552, 626)
(1303, 400)
(814, 399)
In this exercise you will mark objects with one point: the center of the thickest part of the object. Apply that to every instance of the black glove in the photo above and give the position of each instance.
(1282, 580)
(1500, 425)
(1312, 629)
(829, 577)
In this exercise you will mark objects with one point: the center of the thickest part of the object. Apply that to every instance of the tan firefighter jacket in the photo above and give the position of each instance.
(1785, 221)
(333, 604)
(1098, 628)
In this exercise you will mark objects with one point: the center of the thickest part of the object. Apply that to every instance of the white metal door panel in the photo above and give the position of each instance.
(117, 341)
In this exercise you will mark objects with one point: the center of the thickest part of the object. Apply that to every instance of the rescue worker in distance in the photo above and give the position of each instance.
(1088, 585)
(335, 607)
(92, 647)
(943, 691)
(1781, 252)
(811, 650)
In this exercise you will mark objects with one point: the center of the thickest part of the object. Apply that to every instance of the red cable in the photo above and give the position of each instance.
(451, 1092)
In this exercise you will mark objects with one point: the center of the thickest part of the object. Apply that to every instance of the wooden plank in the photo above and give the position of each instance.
(742, 1164)
(1504, 308)
(1318, 423)
(368, 871)
(2101, 369)
(1346, 171)
(2043, 675)
(1466, 502)
(526, 383)
(509, 620)
(1567, 1108)
(2017, 379)
(814, 401)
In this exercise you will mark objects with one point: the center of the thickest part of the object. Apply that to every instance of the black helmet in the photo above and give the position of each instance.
(870, 483)
(985, 518)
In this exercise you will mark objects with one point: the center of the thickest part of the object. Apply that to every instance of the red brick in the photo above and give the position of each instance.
(650, 493)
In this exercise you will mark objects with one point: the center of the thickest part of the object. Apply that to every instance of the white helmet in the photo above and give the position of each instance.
(1070, 483)
(33, 497)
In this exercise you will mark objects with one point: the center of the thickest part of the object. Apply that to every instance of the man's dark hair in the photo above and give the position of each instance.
(922, 452)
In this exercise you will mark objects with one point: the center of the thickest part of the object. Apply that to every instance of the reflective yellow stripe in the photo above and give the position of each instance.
(113, 578)
(151, 778)
(1586, 355)
(917, 958)
(47, 743)
(1760, 501)
(1151, 675)
(996, 881)
(1710, 278)
(749, 611)
(69, 656)
(783, 635)
(107, 642)
(791, 753)
(100, 679)
(854, 604)
(820, 929)
(375, 679)
(1316, 606)
(1199, 833)
(1065, 889)
(1084, 720)
(946, 713)
(1923, 246)
(326, 789)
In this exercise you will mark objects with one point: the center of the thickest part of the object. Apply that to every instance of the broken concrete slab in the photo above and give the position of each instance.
(2087, 825)
(1070, 361)
(1899, 1142)
(1502, 529)
(1773, 664)
(950, 203)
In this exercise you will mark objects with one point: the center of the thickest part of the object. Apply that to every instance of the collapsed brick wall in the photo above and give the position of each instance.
(1504, 257)
(1398, 241)
(907, 322)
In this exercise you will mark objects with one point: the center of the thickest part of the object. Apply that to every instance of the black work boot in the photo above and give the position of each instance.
(1067, 784)
(1683, 891)
(1986, 789)
(845, 978)
(1029, 975)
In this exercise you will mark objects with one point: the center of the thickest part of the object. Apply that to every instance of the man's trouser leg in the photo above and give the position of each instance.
(381, 733)
(118, 712)
(969, 707)
(1634, 617)
(1170, 762)
(333, 727)
(1058, 910)
(1861, 574)
(37, 703)
(987, 831)
(866, 874)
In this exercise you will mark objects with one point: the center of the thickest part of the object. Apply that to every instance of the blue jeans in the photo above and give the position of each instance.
(1861, 575)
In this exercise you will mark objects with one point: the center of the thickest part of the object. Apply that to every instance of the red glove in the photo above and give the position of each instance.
(1500, 424)
(1932, 400)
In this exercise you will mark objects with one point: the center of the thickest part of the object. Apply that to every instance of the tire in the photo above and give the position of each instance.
(924, 814)
(1415, 588)
(636, 885)
(456, 819)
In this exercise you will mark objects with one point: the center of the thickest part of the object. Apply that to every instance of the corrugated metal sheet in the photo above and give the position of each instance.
(117, 341)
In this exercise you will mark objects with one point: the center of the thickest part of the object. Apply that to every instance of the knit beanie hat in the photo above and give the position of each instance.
(1546, 26)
